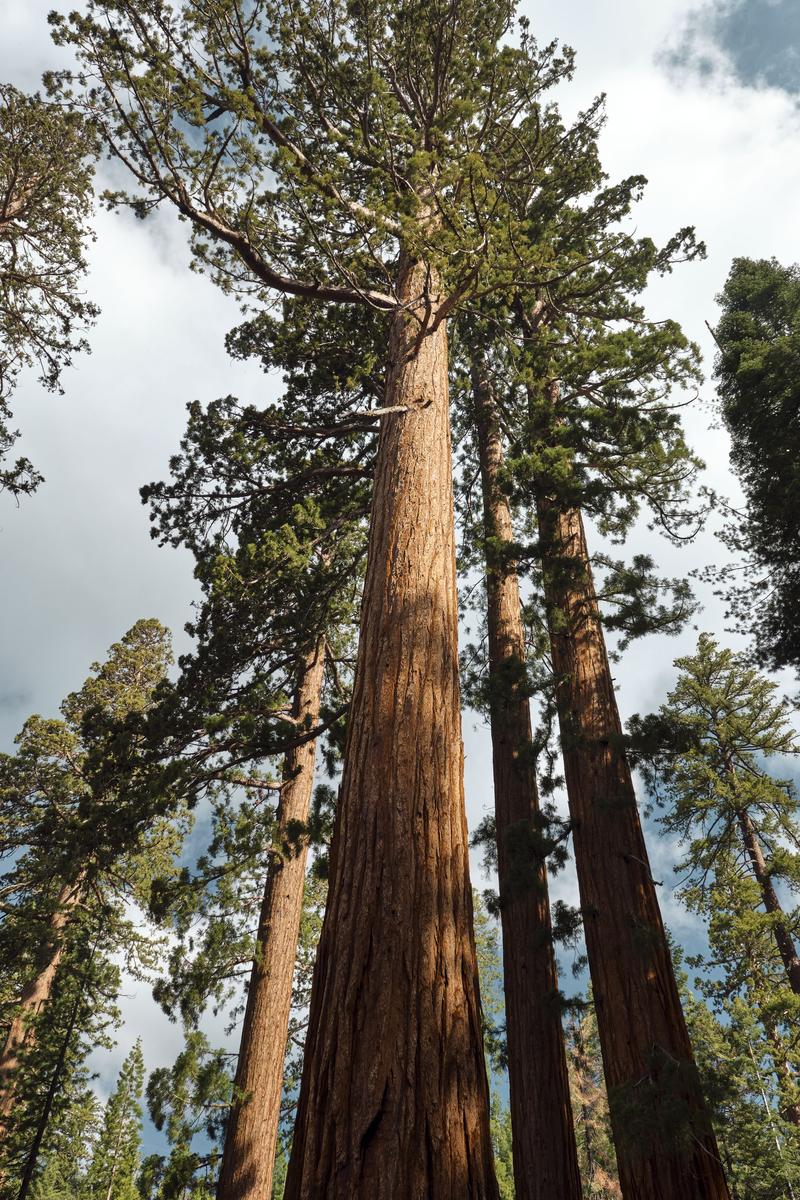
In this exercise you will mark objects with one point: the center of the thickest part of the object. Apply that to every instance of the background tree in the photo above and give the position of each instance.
(590, 1106)
(757, 372)
(75, 859)
(115, 1161)
(737, 822)
(706, 756)
(70, 1152)
(46, 167)
(737, 1062)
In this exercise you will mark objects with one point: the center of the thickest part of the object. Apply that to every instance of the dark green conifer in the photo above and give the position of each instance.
(46, 160)
(758, 385)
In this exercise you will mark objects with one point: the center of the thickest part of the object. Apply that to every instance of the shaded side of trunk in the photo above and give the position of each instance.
(545, 1150)
(394, 1097)
(665, 1145)
(252, 1130)
(34, 997)
(783, 938)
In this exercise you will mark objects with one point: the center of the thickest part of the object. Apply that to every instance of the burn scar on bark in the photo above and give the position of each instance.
(372, 1128)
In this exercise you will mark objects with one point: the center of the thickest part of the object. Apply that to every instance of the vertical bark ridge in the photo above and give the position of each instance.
(251, 1133)
(394, 1096)
(665, 1146)
(544, 1147)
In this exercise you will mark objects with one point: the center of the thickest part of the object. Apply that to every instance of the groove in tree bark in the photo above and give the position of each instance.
(544, 1146)
(251, 1134)
(34, 997)
(394, 1097)
(665, 1147)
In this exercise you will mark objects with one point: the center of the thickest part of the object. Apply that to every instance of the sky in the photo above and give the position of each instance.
(703, 100)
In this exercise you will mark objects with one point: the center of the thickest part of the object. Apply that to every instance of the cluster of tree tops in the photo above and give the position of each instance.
(455, 269)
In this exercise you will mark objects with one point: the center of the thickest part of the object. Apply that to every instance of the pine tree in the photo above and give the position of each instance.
(736, 1058)
(717, 727)
(70, 1151)
(75, 859)
(46, 157)
(115, 1162)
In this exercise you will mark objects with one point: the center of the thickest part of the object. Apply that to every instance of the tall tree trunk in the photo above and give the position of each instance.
(783, 937)
(251, 1134)
(394, 1098)
(544, 1146)
(665, 1145)
(34, 997)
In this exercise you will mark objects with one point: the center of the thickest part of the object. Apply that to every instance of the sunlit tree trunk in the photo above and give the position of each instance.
(544, 1147)
(34, 997)
(251, 1133)
(665, 1146)
(394, 1098)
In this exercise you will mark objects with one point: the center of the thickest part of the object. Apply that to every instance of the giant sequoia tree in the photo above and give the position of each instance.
(583, 398)
(361, 154)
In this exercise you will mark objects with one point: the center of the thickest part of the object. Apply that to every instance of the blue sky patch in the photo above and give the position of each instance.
(758, 41)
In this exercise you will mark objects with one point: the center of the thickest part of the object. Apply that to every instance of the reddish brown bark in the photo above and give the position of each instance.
(783, 937)
(394, 1097)
(665, 1146)
(544, 1146)
(251, 1134)
(34, 997)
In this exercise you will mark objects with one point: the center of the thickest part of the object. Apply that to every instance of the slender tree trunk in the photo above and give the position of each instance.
(34, 997)
(787, 1085)
(544, 1146)
(665, 1145)
(251, 1134)
(52, 1091)
(394, 1099)
(783, 938)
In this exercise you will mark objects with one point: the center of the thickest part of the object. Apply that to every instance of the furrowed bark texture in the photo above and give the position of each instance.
(665, 1146)
(34, 997)
(783, 938)
(544, 1146)
(251, 1134)
(394, 1097)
